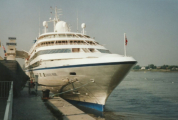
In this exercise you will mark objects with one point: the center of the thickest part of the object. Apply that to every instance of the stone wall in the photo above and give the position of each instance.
(10, 70)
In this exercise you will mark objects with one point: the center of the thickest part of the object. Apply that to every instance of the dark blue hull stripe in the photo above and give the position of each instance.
(88, 105)
(84, 65)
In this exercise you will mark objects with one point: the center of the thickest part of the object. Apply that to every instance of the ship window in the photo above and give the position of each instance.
(91, 49)
(72, 73)
(42, 52)
(69, 35)
(61, 51)
(75, 36)
(58, 42)
(65, 50)
(103, 51)
(62, 35)
(97, 43)
(75, 49)
(44, 74)
(80, 36)
(36, 64)
(64, 42)
(86, 36)
(71, 42)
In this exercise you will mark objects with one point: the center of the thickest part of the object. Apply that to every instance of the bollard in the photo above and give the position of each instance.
(46, 94)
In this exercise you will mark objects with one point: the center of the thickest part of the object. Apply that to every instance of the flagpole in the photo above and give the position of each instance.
(124, 46)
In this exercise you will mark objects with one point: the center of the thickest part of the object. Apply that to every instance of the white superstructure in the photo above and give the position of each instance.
(75, 65)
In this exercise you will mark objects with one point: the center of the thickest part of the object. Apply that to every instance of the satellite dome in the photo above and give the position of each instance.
(61, 26)
(45, 24)
(83, 25)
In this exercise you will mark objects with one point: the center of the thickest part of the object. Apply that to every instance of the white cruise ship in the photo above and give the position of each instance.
(75, 66)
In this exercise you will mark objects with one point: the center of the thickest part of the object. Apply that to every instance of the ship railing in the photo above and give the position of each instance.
(45, 30)
(62, 44)
(6, 91)
(73, 43)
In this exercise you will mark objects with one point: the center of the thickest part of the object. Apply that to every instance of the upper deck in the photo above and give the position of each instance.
(65, 38)
(63, 35)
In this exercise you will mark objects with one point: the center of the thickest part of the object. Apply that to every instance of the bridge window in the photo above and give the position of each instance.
(104, 51)
(61, 35)
(80, 36)
(51, 51)
(86, 36)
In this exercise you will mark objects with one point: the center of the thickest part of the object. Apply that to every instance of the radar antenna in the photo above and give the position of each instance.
(56, 14)
(55, 20)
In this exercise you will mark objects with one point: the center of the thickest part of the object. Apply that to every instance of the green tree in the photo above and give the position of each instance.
(146, 67)
(136, 67)
(152, 66)
(164, 67)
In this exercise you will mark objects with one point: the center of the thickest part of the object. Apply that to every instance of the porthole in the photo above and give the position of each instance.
(72, 73)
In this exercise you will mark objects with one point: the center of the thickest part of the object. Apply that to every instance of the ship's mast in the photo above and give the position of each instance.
(39, 22)
(56, 18)
(77, 20)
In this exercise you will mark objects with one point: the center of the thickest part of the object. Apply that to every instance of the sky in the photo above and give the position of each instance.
(151, 26)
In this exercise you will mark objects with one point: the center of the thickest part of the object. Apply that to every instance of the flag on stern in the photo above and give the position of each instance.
(126, 40)
(125, 43)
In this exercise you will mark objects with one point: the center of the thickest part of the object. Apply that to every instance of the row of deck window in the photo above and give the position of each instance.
(52, 51)
(65, 42)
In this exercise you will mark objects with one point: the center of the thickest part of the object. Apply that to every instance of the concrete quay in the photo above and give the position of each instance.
(32, 107)
(69, 112)
(3, 103)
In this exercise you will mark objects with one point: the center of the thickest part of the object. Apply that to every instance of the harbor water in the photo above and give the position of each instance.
(143, 96)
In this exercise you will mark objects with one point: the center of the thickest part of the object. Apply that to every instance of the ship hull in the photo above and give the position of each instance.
(86, 84)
